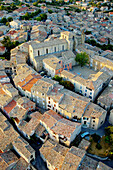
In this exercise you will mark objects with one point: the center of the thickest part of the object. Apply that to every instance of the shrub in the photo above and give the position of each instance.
(95, 137)
(98, 146)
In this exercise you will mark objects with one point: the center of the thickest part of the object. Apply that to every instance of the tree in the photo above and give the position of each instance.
(9, 45)
(43, 16)
(7, 23)
(38, 18)
(6, 42)
(50, 11)
(2, 7)
(67, 84)
(57, 78)
(109, 135)
(10, 19)
(95, 137)
(3, 20)
(82, 58)
(87, 32)
(98, 146)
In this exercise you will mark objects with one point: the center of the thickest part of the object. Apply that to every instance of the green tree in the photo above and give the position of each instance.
(43, 16)
(50, 11)
(9, 45)
(7, 23)
(3, 20)
(38, 18)
(82, 58)
(2, 7)
(10, 19)
(98, 146)
(87, 32)
(95, 137)
(57, 78)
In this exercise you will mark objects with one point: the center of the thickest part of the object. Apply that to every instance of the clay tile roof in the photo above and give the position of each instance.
(10, 106)
(2, 48)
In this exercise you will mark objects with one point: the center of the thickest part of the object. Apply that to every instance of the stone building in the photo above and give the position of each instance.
(39, 51)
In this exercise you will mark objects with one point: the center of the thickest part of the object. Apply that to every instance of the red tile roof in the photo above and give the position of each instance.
(22, 9)
(10, 106)
(2, 48)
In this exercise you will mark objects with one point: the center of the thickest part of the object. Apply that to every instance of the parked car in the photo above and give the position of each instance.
(84, 134)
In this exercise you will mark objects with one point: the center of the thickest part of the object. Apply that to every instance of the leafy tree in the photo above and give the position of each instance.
(38, 18)
(87, 32)
(50, 11)
(95, 137)
(21, 3)
(57, 78)
(2, 7)
(3, 20)
(43, 16)
(82, 58)
(27, 5)
(7, 23)
(98, 146)
(9, 45)
(10, 19)
(109, 135)
(35, 3)
(67, 84)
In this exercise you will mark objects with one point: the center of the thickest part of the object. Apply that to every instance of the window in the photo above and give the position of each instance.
(85, 94)
(84, 122)
(101, 122)
(68, 64)
(42, 94)
(93, 120)
(31, 156)
(47, 51)
(85, 90)
(90, 97)
(63, 48)
(80, 87)
(48, 98)
(54, 105)
(38, 52)
(55, 49)
(49, 102)
(90, 93)
(80, 91)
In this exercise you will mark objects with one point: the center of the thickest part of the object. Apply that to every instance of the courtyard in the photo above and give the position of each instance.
(84, 72)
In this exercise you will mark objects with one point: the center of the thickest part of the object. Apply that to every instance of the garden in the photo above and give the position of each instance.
(102, 146)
